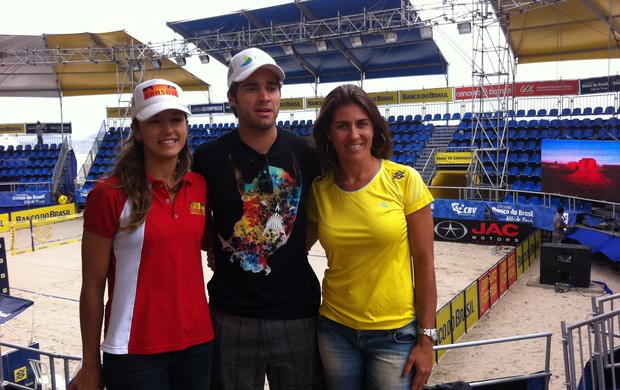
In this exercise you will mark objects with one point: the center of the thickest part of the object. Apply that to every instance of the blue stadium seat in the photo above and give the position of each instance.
(553, 112)
(597, 110)
(576, 111)
(531, 146)
(609, 110)
(528, 185)
(517, 185)
(513, 171)
(538, 186)
(509, 199)
(587, 111)
(542, 112)
(533, 200)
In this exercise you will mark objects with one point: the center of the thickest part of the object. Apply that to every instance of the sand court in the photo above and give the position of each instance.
(51, 278)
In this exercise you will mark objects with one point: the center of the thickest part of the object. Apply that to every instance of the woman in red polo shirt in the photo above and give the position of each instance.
(142, 231)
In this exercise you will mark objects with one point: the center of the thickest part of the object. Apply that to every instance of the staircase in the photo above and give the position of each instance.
(439, 140)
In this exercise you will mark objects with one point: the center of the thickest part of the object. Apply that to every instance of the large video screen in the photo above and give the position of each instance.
(581, 168)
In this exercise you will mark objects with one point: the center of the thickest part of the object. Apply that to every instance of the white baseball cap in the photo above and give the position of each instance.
(154, 96)
(248, 61)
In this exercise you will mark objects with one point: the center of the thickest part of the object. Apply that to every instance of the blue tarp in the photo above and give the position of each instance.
(11, 307)
(601, 241)
(410, 55)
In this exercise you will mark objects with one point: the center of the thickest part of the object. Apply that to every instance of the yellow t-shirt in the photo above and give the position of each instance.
(368, 283)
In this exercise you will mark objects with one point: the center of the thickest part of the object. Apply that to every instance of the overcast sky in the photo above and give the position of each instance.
(146, 21)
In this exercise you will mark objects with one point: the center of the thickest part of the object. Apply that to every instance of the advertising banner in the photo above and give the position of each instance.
(203, 109)
(493, 285)
(458, 316)
(12, 128)
(426, 95)
(453, 158)
(50, 128)
(547, 88)
(314, 103)
(24, 216)
(443, 322)
(292, 104)
(483, 232)
(539, 216)
(599, 85)
(487, 91)
(483, 294)
(384, 98)
(471, 305)
(30, 198)
(514, 272)
(460, 209)
(503, 276)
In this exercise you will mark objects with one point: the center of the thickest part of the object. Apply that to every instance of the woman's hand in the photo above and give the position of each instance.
(420, 357)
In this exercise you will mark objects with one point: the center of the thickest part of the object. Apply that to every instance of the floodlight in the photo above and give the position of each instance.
(181, 61)
(356, 41)
(464, 27)
(204, 58)
(228, 55)
(390, 37)
(156, 63)
(135, 66)
(426, 32)
(288, 50)
(321, 46)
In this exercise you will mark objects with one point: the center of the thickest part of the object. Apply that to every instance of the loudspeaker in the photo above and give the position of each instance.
(565, 263)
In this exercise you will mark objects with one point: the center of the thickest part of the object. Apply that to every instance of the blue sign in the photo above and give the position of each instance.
(30, 198)
(539, 216)
(198, 109)
(599, 85)
(460, 209)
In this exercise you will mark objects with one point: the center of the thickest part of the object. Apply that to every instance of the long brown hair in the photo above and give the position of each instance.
(342, 95)
(131, 174)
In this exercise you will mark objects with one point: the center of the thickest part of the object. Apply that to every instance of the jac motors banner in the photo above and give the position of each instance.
(484, 232)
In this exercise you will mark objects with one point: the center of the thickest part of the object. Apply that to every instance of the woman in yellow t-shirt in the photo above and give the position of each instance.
(371, 215)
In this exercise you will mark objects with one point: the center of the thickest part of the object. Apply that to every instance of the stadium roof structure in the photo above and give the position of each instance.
(325, 40)
(561, 30)
(58, 65)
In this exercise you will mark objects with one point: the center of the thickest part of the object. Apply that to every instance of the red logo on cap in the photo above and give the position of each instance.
(158, 90)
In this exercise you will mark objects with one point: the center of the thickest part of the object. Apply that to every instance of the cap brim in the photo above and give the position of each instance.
(155, 109)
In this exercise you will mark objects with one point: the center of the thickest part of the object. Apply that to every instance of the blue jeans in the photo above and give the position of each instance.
(365, 359)
(189, 369)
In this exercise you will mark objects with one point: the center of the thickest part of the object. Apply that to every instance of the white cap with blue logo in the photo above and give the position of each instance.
(248, 61)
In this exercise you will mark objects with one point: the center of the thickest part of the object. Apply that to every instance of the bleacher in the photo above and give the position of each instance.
(27, 167)
(411, 134)
(526, 129)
